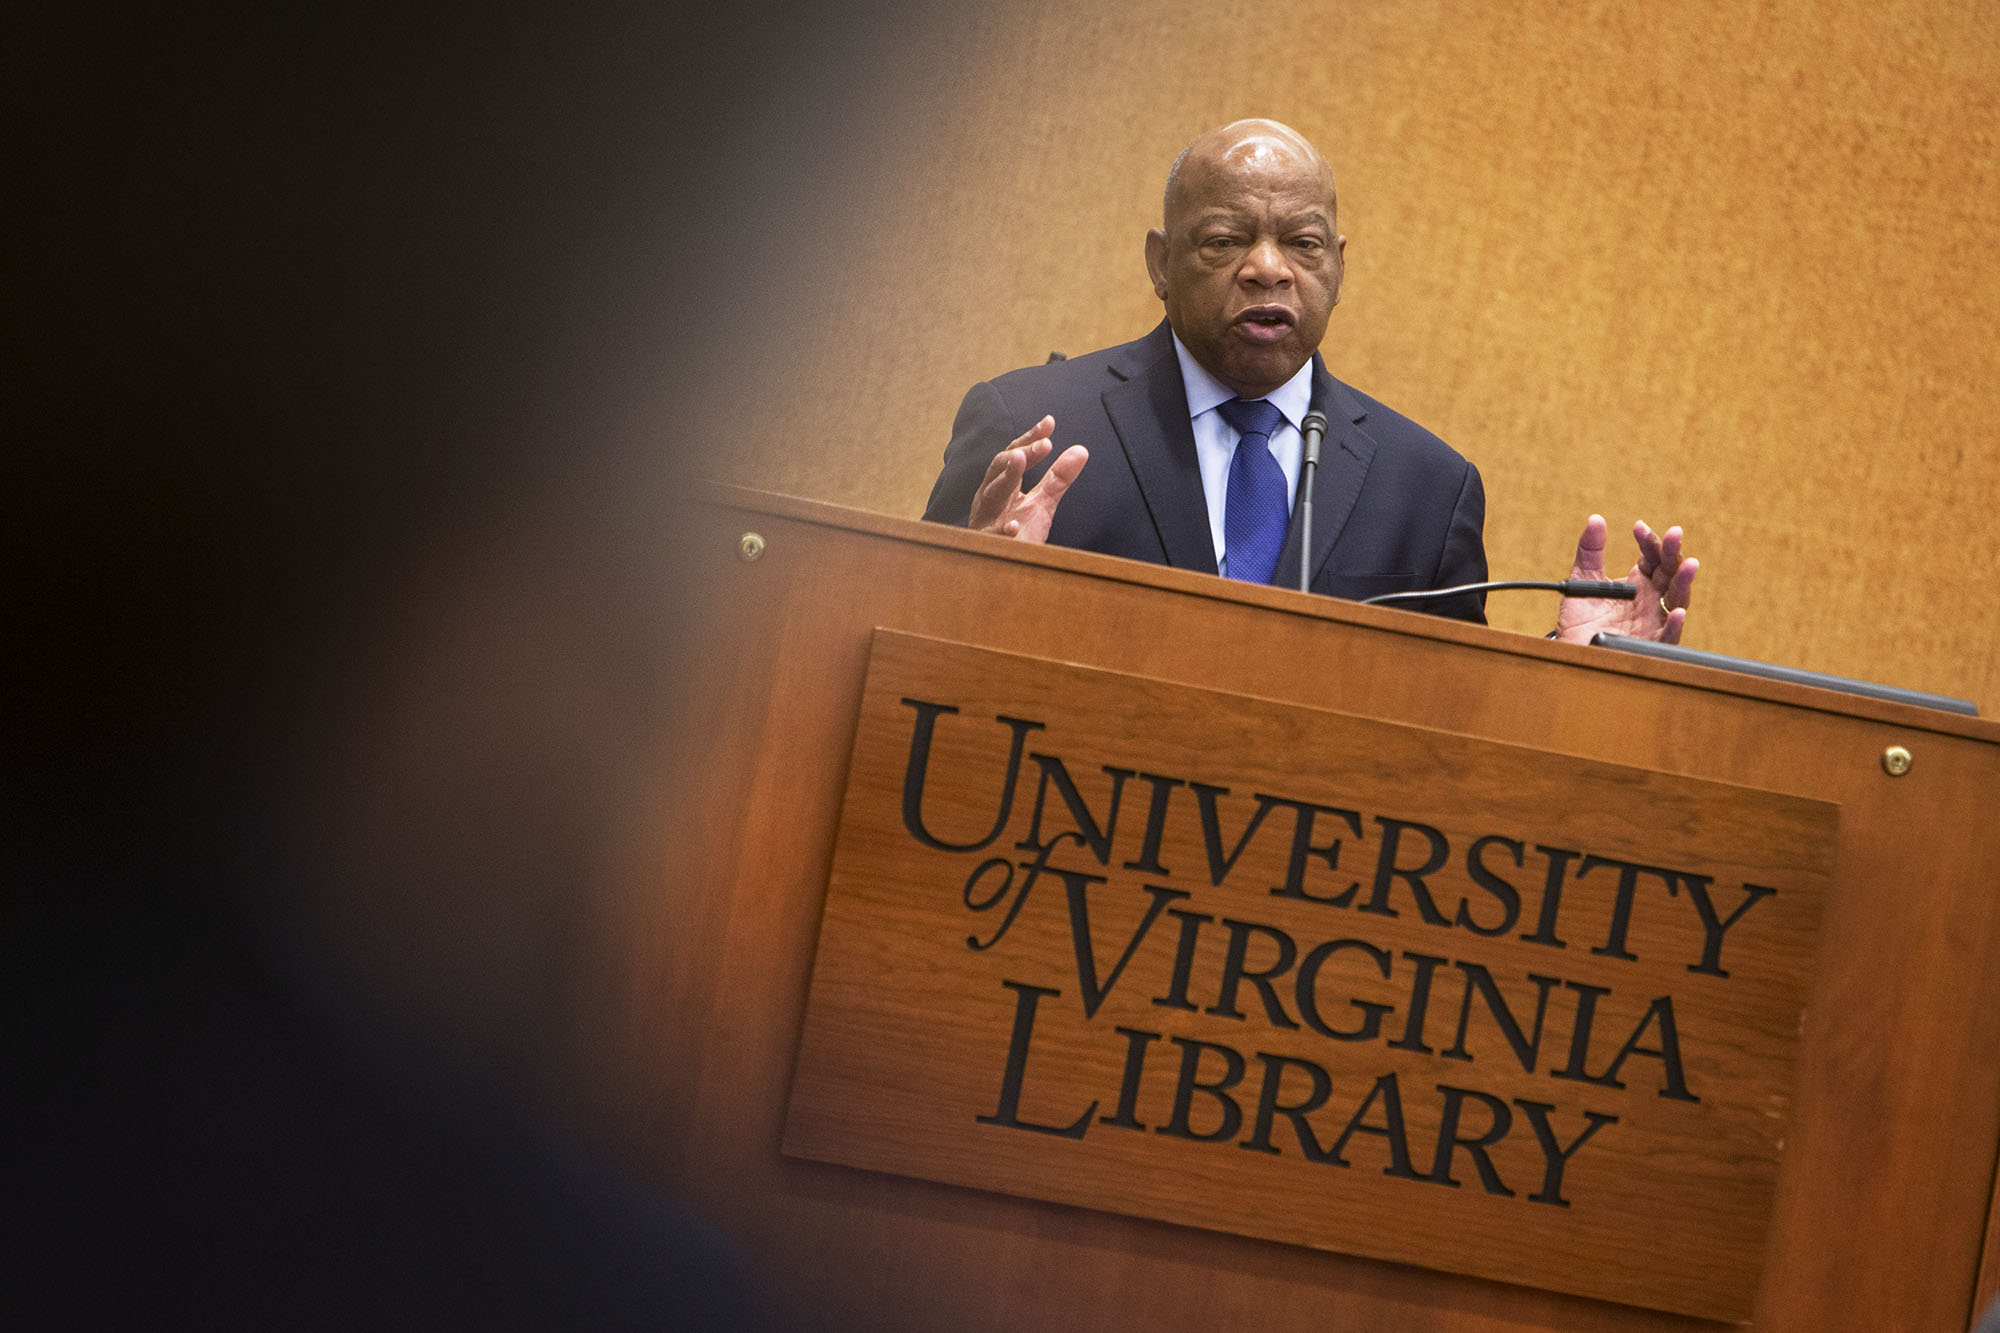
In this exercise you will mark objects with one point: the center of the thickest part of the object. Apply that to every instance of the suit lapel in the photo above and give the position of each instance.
(1344, 457)
(1148, 410)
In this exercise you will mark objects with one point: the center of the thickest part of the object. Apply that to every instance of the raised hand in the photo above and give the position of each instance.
(1665, 579)
(1001, 507)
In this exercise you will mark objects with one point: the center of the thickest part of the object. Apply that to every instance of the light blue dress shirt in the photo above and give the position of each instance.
(1215, 439)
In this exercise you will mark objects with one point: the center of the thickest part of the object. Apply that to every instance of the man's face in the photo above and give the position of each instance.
(1249, 264)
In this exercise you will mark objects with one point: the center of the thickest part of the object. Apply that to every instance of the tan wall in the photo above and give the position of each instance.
(1725, 264)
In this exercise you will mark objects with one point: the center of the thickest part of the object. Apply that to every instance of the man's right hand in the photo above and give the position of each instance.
(1001, 507)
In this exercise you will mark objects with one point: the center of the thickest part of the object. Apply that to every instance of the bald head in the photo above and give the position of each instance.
(1245, 143)
(1248, 261)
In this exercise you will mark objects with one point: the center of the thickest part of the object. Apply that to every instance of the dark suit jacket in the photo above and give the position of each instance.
(1394, 507)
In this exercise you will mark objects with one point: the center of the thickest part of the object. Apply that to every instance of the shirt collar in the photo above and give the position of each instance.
(1205, 392)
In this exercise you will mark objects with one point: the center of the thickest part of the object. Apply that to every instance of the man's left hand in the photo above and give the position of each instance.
(1665, 579)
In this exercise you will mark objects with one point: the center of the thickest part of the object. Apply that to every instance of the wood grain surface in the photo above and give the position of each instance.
(1323, 912)
(1883, 1189)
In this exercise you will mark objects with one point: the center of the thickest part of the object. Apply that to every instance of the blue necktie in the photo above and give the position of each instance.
(1255, 509)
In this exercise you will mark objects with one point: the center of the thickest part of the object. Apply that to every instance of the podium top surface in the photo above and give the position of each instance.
(1385, 620)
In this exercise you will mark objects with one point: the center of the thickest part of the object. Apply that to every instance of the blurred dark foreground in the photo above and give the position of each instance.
(343, 351)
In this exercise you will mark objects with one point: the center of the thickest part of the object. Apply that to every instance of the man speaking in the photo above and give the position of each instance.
(1185, 447)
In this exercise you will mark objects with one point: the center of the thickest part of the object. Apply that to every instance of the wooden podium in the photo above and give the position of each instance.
(1060, 942)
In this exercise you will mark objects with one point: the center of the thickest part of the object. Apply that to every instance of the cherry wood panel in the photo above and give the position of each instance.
(1884, 1193)
(1028, 913)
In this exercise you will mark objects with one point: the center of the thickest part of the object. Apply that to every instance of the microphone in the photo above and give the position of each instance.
(1617, 592)
(1314, 429)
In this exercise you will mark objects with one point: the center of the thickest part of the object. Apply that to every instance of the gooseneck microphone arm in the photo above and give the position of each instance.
(1617, 592)
(1314, 430)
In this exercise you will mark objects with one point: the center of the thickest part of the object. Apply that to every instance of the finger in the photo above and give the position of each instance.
(1000, 490)
(1671, 631)
(1670, 547)
(1650, 553)
(1002, 481)
(1590, 550)
(1007, 460)
(1061, 473)
(1004, 473)
(1680, 592)
(1670, 557)
(1033, 453)
(1041, 430)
